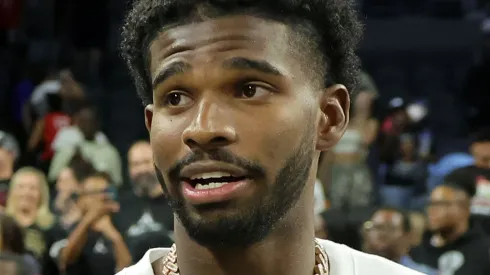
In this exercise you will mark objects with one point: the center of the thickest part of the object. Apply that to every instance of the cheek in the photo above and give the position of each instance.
(166, 141)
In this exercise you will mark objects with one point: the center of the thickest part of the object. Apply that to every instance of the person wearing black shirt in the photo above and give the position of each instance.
(95, 246)
(455, 245)
(145, 215)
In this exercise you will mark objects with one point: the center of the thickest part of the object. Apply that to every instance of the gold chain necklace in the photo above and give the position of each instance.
(322, 263)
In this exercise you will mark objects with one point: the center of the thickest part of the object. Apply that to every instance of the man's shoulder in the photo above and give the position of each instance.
(144, 266)
(345, 260)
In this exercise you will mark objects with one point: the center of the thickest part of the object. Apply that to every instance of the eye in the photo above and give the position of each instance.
(177, 99)
(252, 90)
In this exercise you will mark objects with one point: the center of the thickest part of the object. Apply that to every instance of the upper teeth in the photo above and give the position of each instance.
(210, 175)
(210, 185)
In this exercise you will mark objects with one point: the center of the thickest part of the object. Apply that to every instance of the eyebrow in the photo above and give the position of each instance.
(235, 63)
(171, 70)
(241, 63)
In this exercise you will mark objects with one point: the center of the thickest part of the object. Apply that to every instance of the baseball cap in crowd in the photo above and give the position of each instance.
(9, 143)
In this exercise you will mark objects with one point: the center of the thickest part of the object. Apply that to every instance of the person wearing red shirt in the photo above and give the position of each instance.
(46, 128)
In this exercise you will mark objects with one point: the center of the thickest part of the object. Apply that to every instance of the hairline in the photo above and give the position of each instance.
(298, 38)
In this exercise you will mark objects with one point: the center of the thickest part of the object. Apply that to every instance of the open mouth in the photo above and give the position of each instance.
(212, 180)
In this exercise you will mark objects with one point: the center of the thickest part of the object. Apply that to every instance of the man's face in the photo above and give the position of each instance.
(87, 123)
(481, 153)
(235, 124)
(384, 234)
(141, 168)
(447, 207)
(94, 190)
(6, 163)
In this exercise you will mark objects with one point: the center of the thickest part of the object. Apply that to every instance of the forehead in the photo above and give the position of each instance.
(481, 147)
(28, 178)
(445, 193)
(95, 183)
(140, 150)
(217, 39)
(387, 216)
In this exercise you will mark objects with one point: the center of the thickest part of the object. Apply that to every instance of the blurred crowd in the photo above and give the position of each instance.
(72, 203)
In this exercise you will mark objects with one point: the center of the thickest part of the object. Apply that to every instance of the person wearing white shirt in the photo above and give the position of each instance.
(241, 98)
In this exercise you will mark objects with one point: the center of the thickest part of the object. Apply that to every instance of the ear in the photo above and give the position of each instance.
(148, 116)
(334, 116)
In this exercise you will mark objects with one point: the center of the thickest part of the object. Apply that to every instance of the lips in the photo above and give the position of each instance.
(211, 182)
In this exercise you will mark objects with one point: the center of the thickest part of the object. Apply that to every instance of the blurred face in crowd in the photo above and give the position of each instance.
(447, 208)
(93, 190)
(142, 169)
(400, 119)
(66, 185)
(407, 145)
(6, 164)
(385, 236)
(236, 126)
(26, 192)
(481, 153)
(87, 122)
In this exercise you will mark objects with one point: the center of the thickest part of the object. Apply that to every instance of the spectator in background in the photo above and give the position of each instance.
(46, 129)
(9, 152)
(480, 148)
(67, 188)
(28, 204)
(73, 136)
(478, 179)
(455, 244)
(405, 177)
(38, 101)
(344, 171)
(94, 246)
(102, 155)
(144, 211)
(388, 234)
(71, 91)
(12, 247)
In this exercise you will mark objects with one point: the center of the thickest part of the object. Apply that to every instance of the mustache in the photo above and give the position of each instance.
(254, 169)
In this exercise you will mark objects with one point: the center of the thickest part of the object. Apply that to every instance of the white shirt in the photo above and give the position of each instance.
(38, 97)
(343, 261)
(71, 136)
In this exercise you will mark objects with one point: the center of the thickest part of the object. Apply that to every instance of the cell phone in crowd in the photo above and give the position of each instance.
(112, 193)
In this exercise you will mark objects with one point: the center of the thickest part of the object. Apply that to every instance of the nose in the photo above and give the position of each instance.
(210, 128)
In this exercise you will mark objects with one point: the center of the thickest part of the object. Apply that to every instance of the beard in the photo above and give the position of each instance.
(253, 224)
(145, 183)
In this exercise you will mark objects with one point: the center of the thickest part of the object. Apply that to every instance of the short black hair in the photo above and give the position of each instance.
(407, 223)
(482, 135)
(96, 174)
(465, 179)
(332, 25)
(80, 167)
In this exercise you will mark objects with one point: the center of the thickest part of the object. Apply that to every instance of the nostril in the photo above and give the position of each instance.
(216, 141)
(219, 140)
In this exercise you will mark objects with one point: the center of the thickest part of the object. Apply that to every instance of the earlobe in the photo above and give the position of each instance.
(148, 116)
(334, 105)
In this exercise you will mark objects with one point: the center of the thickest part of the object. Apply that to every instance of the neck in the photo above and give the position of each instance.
(288, 250)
